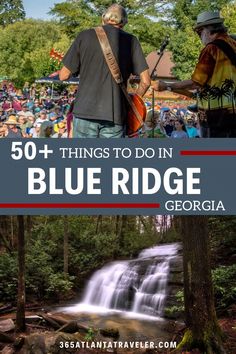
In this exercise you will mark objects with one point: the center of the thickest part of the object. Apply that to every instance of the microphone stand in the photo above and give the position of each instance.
(160, 52)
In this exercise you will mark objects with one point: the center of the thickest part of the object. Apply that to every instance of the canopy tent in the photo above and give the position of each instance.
(4, 78)
(54, 79)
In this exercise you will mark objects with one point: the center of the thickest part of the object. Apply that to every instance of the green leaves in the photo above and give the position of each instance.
(185, 47)
(184, 44)
(25, 48)
(75, 16)
(25, 45)
(8, 277)
(224, 285)
(11, 11)
(229, 13)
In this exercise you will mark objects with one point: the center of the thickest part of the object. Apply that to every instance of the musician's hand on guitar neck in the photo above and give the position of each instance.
(159, 85)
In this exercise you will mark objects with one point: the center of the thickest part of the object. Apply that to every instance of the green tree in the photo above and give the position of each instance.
(75, 16)
(185, 44)
(25, 48)
(184, 12)
(203, 330)
(185, 47)
(229, 13)
(11, 11)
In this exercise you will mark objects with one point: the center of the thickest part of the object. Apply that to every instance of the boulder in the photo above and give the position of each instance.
(110, 332)
(7, 350)
(34, 344)
(18, 344)
(70, 327)
(50, 342)
(7, 325)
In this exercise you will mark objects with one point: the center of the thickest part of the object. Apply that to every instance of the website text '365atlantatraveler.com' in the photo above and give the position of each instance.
(118, 345)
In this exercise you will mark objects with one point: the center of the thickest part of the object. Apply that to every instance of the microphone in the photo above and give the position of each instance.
(164, 45)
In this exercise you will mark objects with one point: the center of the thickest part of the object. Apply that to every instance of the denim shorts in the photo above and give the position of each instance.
(85, 128)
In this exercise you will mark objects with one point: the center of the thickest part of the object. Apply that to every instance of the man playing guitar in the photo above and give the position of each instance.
(100, 106)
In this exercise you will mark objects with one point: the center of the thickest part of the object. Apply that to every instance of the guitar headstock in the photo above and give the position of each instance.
(56, 55)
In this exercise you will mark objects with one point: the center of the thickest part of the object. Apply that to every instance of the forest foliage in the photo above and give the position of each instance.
(25, 44)
(93, 241)
(96, 240)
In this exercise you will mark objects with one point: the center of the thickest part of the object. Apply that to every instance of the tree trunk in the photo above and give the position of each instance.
(203, 330)
(29, 226)
(121, 232)
(7, 233)
(66, 246)
(99, 223)
(20, 314)
(117, 223)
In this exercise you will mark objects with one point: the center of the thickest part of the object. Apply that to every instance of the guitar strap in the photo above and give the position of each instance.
(114, 68)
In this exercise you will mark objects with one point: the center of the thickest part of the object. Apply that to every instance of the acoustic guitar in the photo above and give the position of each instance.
(133, 124)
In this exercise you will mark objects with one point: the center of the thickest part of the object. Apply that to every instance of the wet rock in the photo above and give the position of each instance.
(170, 301)
(7, 325)
(58, 343)
(110, 332)
(173, 290)
(34, 344)
(7, 350)
(51, 342)
(19, 342)
(175, 279)
(70, 327)
(176, 264)
(33, 319)
(5, 338)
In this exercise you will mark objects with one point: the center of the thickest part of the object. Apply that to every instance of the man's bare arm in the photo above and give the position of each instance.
(144, 84)
(64, 73)
(175, 86)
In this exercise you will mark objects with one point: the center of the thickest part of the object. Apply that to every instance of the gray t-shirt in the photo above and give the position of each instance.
(99, 97)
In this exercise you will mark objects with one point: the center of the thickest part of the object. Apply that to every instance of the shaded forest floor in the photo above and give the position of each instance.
(17, 341)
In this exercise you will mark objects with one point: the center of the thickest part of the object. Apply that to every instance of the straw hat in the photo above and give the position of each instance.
(11, 120)
(61, 125)
(207, 18)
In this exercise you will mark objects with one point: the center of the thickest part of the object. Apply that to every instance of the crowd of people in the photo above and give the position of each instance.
(171, 122)
(100, 107)
(27, 115)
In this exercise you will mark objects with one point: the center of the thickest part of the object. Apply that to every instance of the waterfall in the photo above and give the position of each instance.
(138, 286)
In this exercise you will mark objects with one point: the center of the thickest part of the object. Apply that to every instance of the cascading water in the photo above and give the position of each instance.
(138, 286)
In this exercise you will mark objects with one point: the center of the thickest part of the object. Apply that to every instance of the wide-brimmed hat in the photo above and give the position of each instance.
(61, 125)
(207, 18)
(11, 120)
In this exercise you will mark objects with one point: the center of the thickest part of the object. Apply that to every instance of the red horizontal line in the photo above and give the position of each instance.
(208, 152)
(78, 205)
